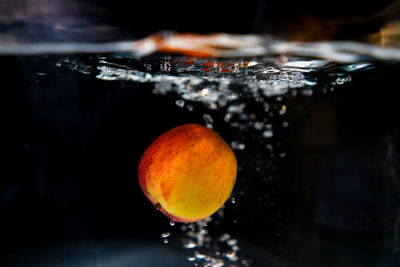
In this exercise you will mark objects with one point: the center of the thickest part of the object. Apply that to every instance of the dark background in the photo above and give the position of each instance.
(110, 20)
(68, 192)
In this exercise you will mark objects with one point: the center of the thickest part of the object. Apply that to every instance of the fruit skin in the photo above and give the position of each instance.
(189, 170)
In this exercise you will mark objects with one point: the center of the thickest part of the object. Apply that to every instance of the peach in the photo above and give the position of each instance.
(188, 172)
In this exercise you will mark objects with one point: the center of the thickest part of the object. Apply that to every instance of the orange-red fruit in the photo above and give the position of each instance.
(188, 172)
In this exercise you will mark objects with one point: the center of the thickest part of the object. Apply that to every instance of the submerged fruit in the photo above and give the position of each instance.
(188, 172)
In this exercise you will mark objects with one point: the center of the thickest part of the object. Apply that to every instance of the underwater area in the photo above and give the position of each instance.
(309, 109)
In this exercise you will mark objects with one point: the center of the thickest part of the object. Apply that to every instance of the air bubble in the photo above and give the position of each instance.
(220, 213)
(189, 107)
(258, 125)
(244, 262)
(282, 111)
(208, 120)
(180, 103)
(231, 256)
(205, 92)
(235, 248)
(237, 145)
(266, 107)
(199, 256)
(189, 245)
(222, 102)
(268, 134)
(233, 200)
(191, 258)
(227, 117)
(340, 80)
(307, 92)
(232, 242)
(210, 105)
(166, 234)
(225, 237)
(217, 263)
(244, 116)
(235, 124)
(172, 223)
(165, 241)
(157, 206)
(236, 108)
(165, 66)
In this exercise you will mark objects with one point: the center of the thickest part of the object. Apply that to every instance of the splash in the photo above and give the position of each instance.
(250, 94)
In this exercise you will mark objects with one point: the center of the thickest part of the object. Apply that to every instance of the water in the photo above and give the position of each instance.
(314, 127)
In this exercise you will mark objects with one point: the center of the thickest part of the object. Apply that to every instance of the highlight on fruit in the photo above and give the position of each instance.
(188, 172)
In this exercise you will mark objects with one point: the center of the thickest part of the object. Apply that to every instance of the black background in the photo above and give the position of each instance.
(68, 192)
(110, 20)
